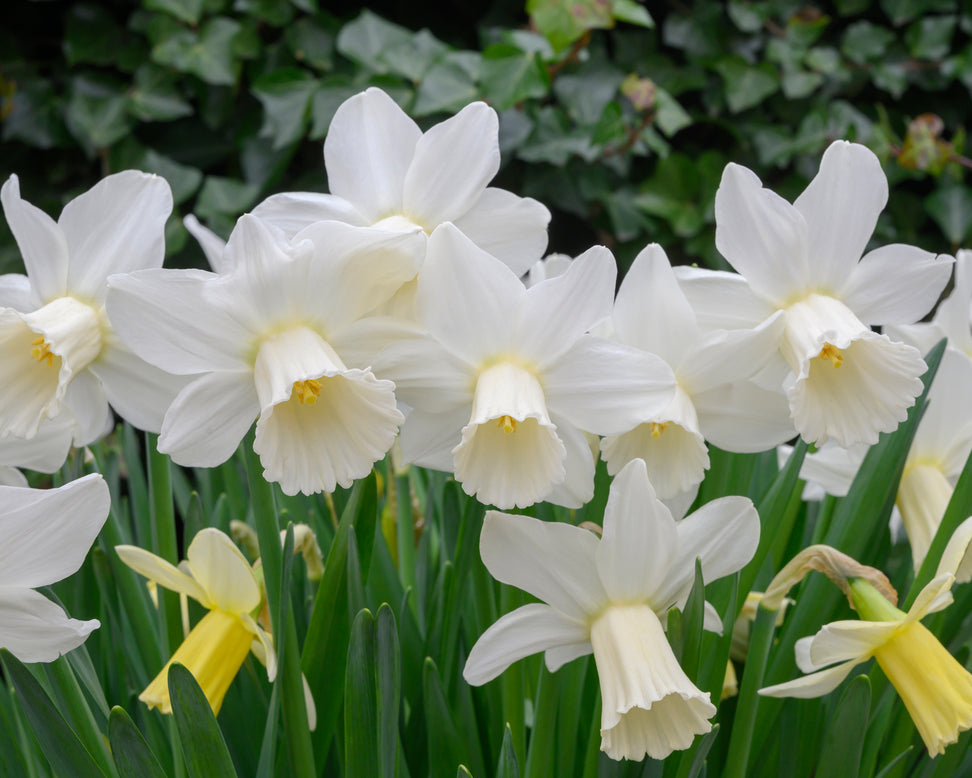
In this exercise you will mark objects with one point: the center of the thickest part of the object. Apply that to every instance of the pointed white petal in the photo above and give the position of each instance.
(511, 228)
(554, 562)
(452, 164)
(935, 596)
(841, 206)
(841, 641)
(814, 685)
(117, 226)
(721, 300)
(639, 539)
(762, 235)
(268, 656)
(556, 657)
(895, 284)
(178, 320)
(743, 417)
(467, 299)
(651, 311)
(429, 438)
(367, 151)
(207, 420)
(956, 559)
(607, 388)
(577, 488)
(711, 620)
(41, 242)
(427, 376)
(139, 392)
(222, 570)
(526, 631)
(293, 211)
(164, 573)
(45, 534)
(213, 246)
(559, 310)
(34, 629)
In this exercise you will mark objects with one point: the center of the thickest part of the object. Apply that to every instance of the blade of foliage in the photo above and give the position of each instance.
(203, 746)
(507, 767)
(361, 754)
(841, 753)
(132, 755)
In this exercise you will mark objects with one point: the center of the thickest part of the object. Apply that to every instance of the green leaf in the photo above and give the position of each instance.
(183, 179)
(225, 196)
(208, 54)
(841, 751)
(445, 752)
(670, 117)
(632, 12)
(188, 11)
(508, 767)
(273, 12)
(285, 95)
(951, 208)
(746, 85)
(324, 105)
(365, 39)
(310, 43)
(931, 37)
(36, 116)
(91, 35)
(360, 699)
(155, 97)
(202, 742)
(509, 76)
(389, 685)
(564, 21)
(59, 743)
(132, 755)
(412, 58)
(97, 112)
(449, 84)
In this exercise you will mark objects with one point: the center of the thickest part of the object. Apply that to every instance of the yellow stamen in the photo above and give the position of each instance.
(831, 352)
(41, 351)
(307, 391)
(657, 429)
(507, 424)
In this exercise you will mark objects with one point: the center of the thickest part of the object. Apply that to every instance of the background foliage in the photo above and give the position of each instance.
(619, 121)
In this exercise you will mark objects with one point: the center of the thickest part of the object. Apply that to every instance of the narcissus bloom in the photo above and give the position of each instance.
(44, 537)
(277, 337)
(611, 597)
(843, 380)
(713, 399)
(936, 689)
(215, 574)
(383, 171)
(506, 378)
(58, 352)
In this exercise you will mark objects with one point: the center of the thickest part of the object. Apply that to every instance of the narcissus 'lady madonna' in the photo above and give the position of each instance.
(611, 597)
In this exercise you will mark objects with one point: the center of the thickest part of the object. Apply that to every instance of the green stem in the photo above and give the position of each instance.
(75, 709)
(405, 532)
(162, 513)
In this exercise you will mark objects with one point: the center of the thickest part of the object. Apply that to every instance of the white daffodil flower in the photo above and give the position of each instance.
(44, 537)
(934, 463)
(58, 351)
(277, 338)
(215, 574)
(383, 171)
(952, 319)
(939, 696)
(842, 380)
(712, 401)
(611, 597)
(506, 379)
(550, 266)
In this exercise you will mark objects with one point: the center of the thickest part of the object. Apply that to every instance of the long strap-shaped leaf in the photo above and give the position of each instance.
(202, 742)
(132, 755)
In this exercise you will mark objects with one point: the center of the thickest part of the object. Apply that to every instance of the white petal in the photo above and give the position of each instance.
(639, 538)
(428, 438)
(956, 559)
(577, 488)
(179, 320)
(213, 246)
(841, 206)
(208, 419)
(467, 298)
(833, 467)
(814, 685)
(510, 454)
(945, 433)
(607, 388)
(954, 312)
(45, 534)
(651, 311)
(46, 451)
(527, 630)
(367, 151)
(117, 226)
(721, 300)
(16, 292)
(722, 534)
(452, 164)
(560, 310)
(427, 376)
(41, 242)
(556, 657)
(139, 392)
(895, 284)
(222, 570)
(511, 228)
(762, 235)
(331, 435)
(30, 389)
(293, 211)
(34, 629)
(86, 402)
(268, 656)
(743, 417)
(935, 595)
(552, 561)
(164, 573)
(361, 342)
(711, 620)
(841, 641)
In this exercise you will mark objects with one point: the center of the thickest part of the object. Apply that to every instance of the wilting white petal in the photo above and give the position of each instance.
(527, 630)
